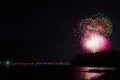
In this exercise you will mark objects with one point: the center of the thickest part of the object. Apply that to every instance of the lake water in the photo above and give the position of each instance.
(89, 73)
(58, 72)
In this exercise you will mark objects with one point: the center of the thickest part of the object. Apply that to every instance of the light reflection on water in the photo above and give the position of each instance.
(83, 73)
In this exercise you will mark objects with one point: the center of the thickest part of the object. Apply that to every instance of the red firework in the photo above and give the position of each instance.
(93, 42)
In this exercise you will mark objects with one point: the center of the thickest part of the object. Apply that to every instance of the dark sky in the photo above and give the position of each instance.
(44, 29)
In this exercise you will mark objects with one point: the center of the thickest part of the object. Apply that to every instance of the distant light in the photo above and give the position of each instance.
(14, 64)
(7, 62)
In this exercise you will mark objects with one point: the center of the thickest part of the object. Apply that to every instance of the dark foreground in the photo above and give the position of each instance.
(41, 72)
(53, 72)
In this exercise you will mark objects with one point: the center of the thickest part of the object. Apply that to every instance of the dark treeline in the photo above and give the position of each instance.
(108, 58)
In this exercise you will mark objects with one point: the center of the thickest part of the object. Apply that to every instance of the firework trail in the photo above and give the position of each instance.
(93, 33)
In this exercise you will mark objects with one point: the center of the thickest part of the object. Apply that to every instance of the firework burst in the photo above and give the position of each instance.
(93, 42)
(93, 33)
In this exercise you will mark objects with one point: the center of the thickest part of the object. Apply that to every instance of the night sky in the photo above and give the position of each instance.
(44, 29)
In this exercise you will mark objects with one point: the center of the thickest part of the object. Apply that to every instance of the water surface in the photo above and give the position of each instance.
(89, 73)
